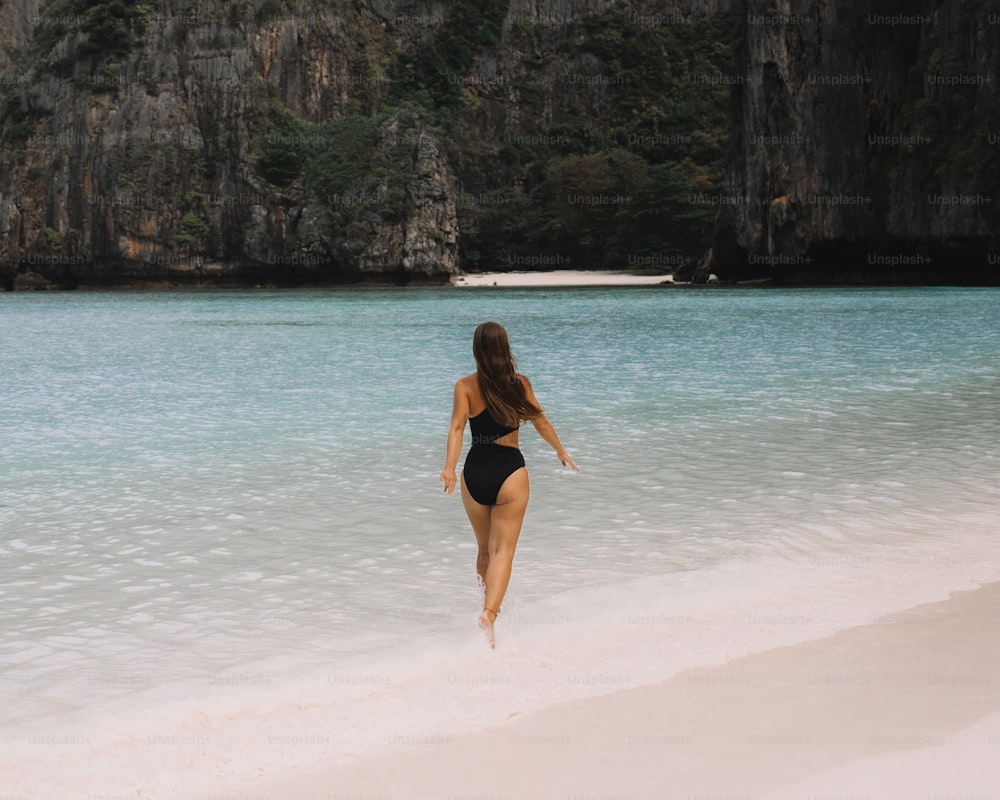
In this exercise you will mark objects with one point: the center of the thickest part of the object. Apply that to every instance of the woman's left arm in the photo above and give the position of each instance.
(459, 416)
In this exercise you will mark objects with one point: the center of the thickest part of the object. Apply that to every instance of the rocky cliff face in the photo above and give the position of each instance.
(867, 145)
(284, 141)
(140, 161)
(280, 141)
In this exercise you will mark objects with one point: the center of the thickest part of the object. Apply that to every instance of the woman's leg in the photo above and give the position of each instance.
(506, 518)
(479, 518)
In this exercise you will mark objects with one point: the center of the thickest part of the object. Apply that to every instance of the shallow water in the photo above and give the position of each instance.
(215, 500)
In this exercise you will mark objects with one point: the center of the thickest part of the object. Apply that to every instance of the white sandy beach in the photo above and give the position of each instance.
(564, 277)
(905, 708)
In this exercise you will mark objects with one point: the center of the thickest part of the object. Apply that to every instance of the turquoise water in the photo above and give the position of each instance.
(208, 494)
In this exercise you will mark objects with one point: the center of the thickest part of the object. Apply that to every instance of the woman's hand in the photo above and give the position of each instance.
(449, 479)
(566, 461)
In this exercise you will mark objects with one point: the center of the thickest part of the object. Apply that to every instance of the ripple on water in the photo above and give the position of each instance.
(197, 483)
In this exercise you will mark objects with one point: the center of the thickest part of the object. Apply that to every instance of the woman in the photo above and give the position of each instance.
(494, 400)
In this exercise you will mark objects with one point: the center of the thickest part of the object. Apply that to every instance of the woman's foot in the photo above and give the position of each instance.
(486, 620)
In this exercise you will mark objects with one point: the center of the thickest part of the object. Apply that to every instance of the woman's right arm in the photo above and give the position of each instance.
(547, 430)
(459, 416)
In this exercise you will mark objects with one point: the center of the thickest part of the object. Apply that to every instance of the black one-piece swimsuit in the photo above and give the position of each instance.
(489, 464)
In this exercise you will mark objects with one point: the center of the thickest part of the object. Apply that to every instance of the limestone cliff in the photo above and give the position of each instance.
(141, 160)
(285, 141)
(867, 145)
(294, 142)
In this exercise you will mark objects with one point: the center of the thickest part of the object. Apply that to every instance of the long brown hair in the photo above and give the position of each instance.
(502, 389)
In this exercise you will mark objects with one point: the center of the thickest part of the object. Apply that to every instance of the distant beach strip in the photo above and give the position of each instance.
(564, 277)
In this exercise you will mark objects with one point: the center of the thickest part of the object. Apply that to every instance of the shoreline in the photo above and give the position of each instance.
(904, 707)
(523, 279)
(564, 277)
(554, 278)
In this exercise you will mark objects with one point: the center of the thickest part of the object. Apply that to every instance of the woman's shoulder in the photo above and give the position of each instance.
(468, 386)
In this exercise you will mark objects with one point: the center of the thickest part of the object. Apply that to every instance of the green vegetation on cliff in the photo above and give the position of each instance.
(49, 241)
(615, 132)
(432, 76)
(18, 124)
(100, 30)
(643, 123)
(333, 162)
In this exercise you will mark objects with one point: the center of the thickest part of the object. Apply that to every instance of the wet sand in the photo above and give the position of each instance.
(908, 707)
